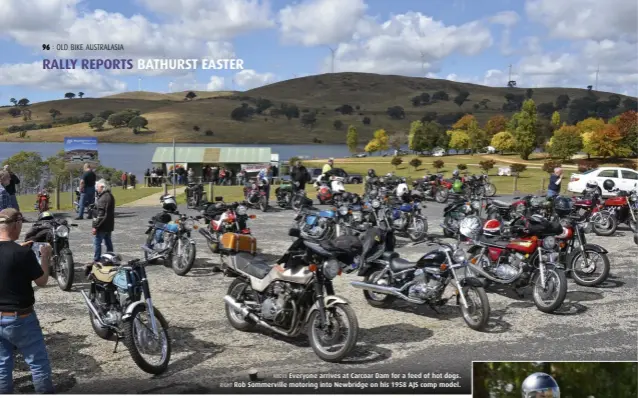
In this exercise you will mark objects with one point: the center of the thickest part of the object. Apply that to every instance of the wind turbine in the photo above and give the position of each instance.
(139, 84)
(332, 51)
(170, 87)
(423, 63)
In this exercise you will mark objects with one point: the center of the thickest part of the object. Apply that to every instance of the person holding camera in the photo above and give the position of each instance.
(19, 326)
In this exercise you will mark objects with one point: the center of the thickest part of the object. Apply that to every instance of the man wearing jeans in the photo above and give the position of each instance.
(104, 222)
(11, 188)
(19, 325)
(554, 183)
(87, 191)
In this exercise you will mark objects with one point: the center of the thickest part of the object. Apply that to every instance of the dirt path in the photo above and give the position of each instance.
(153, 200)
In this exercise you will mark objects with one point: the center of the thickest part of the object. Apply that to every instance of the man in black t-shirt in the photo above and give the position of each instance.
(87, 191)
(19, 325)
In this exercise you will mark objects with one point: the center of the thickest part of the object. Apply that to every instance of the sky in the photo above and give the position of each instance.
(548, 43)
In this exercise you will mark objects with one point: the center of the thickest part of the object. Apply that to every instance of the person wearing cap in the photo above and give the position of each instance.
(19, 324)
(11, 188)
(5, 198)
(328, 166)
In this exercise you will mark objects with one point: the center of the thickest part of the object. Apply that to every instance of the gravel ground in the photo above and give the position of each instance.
(594, 324)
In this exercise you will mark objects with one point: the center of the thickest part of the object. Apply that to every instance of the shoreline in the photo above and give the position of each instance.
(27, 141)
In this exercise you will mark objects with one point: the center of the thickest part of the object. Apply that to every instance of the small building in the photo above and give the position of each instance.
(251, 159)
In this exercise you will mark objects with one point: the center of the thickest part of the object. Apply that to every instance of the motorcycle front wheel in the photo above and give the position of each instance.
(378, 300)
(65, 270)
(448, 221)
(441, 195)
(182, 262)
(418, 229)
(585, 263)
(477, 312)
(604, 224)
(140, 339)
(490, 189)
(328, 343)
(555, 284)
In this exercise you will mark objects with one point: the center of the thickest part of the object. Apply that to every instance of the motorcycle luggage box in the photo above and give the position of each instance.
(235, 243)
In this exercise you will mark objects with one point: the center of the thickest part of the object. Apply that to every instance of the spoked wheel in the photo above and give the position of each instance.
(183, 260)
(450, 223)
(551, 297)
(604, 224)
(477, 312)
(590, 268)
(150, 352)
(337, 338)
(418, 229)
(378, 300)
(65, 271)
(441, 195)
(490, 189)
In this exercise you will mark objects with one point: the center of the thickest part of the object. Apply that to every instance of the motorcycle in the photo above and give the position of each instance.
(530, 259)
(295, 294)
(318, 225)
(432, 188)
(55, 232)
(388, 277)
(407, 218)
(521, 206)
(588, 208)
(120, 308)
(222, 218)
(331, 194)
(195, 195)
(255, 195)
(41, 201)
(287, 196)
(171, 241)
(623, 208)
(455, 212)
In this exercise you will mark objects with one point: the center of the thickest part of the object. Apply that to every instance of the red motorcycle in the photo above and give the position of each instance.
(589, 208)
(528, 259)
(433, 187)
(224, 218)
(42, 201)
(622, 208)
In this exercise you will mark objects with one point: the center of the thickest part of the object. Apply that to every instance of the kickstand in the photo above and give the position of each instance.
(117, 341)
(434, 309)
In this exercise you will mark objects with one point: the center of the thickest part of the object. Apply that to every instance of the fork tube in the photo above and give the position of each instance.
(541, 266)
(149, 303)
(456, 280)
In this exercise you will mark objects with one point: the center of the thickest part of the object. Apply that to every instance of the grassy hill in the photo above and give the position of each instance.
(169, 115)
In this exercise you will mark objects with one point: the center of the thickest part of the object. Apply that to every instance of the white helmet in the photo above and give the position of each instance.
(592, 185)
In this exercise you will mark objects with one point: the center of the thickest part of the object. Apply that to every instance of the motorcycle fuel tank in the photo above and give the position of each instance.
(523, 245)
(617, 201)
(327, 213)
(406, 207)
(433, 259)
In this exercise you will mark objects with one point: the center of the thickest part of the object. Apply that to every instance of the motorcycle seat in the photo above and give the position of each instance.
(500, 203)
(105, 273)
(388, 256)
(398, 264)
(252, 265)
(496, 242)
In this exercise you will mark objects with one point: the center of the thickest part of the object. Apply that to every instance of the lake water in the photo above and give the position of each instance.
(136, 158)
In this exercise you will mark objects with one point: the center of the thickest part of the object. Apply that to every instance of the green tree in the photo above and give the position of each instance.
(438, 164)
(416, 163)
(28, 166)
(337, 124)
(556, 119)
(565, 143)
(97, 124)
(416, 136)
(190, 95)
(523, 127)
(461, 166)
(478, 137)
(54, 113)
(486, 165)
(56, 169)
(503, 142)
(517, 168)
(459, 139)
(137, 123)
(80, 94)
(69, 95)
(352, 139)
(396, 161)
(14, 101)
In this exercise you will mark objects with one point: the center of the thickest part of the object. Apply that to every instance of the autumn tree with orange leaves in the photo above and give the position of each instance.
(606, 142)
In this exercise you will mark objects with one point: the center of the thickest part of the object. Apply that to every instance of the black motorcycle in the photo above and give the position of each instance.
(55, 232)
(171, 241)
(388, 277)
(120, 308)
(195, 195)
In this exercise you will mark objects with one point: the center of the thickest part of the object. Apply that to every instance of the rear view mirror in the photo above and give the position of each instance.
(294, 232)
(219, 198)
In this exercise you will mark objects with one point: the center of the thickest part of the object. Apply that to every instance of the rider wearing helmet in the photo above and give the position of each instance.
(540, 385)
(455, 173)
(371, 180)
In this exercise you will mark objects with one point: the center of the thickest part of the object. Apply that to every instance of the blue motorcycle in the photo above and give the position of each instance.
(406, 218)
(316, 225)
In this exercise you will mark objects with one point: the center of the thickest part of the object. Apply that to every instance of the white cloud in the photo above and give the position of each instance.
(586, 19)
(531, 44)
(321, 22)
(402, 43)
(32, 75)
(248, 78)
(216, 83)
(508, 19)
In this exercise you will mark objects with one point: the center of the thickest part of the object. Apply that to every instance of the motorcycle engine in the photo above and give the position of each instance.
(112, 317)
(399, 223)
(425, 288)
(505, 270)
(320, 228)
(273, 307)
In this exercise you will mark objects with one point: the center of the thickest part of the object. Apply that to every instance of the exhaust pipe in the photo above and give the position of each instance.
(486, 275)
(93, 309)
(245, 313)
(392, 291)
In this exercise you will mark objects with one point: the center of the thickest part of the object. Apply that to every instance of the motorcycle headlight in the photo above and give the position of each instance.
(343, 210)
(549, 243)
(188, 224)
(241, 210)
(459, 256)
(331, 269)
(634, 197)
(476, 205)
(376, 204)
(62, 231)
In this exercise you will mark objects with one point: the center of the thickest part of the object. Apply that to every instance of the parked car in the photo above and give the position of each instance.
(361, 155)
(349, 178)
(439, 152)
(623, 178)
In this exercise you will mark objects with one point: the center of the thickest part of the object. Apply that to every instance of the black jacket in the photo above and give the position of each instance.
(11, 188)
(300, 174)
(105, 208)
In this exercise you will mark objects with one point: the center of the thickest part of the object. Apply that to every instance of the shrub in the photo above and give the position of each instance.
(396, 161)
(416, 163)
(585, 165)
(395, 112)
(86, 117)
(196, 128)
(366, 120)
(317, 140)
(345, 109)
(550, 165)
(15, 112)
(438, 165)
(441, 95)
(105, 114)
(517, 168)
(338, 124)
(461, 166)
(486, 165)
(209, 133)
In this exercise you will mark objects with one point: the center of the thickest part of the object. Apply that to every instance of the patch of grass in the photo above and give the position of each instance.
(122, 197)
